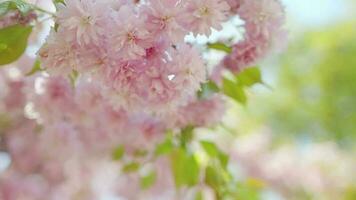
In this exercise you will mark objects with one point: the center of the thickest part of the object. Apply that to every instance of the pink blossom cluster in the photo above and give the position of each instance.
(136, 49)
(137, 79)
(59, 149)
(264, 20)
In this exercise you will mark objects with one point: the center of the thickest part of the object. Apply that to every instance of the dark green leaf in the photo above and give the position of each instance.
(13, 40)
(186, 135)
(220, 46)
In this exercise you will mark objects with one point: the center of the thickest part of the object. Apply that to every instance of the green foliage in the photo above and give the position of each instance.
(35, 68)
(220, 46)
(212, 150)
(235, 85)
(315, 94)
(207, 89)
(234, 90)
(250, 76)
(247, 191)
(13, 42)
(148, 180)
(185, 168)
(73, 77)
(186, 135)
(131, 167)
(118, 152)
(23, 7)
(164, 148)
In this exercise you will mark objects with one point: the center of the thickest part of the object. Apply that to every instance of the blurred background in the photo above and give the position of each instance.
(296, 137)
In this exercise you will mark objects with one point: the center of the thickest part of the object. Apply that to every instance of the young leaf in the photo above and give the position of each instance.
(73, 77)
(207, 89)
(213, 151)
(234, 90)
(131, 167)
(250, 76)
(13, 40)
(118, 152)
(19, 5)
(36, 68)
(164, 147)
(185, 168)
(220, 46)
(147, 181)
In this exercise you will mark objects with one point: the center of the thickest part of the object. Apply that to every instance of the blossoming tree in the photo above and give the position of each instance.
(111, 103)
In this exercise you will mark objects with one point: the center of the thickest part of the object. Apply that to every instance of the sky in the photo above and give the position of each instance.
(312, 13)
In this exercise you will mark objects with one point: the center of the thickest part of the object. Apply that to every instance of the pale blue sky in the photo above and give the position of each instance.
(311, 13)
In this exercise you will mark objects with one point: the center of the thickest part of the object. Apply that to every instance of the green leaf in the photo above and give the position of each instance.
(250, 76)
(19, 5)
(73, 77)
(22, 6)
(118, 152)
(36, 68)
(213, 179)
(3, 47)
(207, 89)
(186, 135)
(131, 167)
(147, 181)
(164, 147)
(139, 153)
(13, 40)
(220, 46)
(213, 151)
(185, 168)
(210, 148)
(234, 90)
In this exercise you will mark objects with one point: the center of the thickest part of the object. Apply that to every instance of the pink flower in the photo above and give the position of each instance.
(202, 112)
(163, 21)
(82, 20)
(129, 36)
(262, 17)
(246, 54)
(189, 70)
(234, 5)
(60, 57)
(202, 15)
(57, 55)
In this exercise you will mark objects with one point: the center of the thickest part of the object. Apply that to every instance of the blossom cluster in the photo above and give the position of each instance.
(264, 20)
(137, 79)
(136, 49)
(58, 142)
